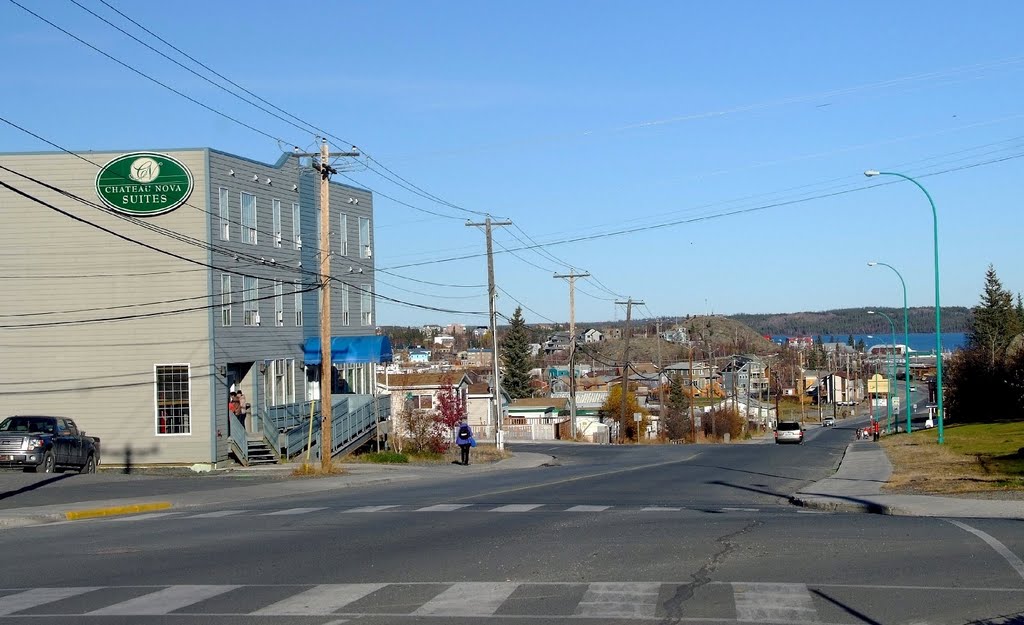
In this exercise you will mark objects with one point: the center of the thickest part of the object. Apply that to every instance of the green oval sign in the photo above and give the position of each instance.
(144, 184)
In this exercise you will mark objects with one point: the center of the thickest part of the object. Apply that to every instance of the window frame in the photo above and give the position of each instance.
(364, 244)
(226, 301)
(250, 233)
(343, 234)
(156, 398)
(275, 214)
(366, 305)
(296, 226)
(250, 301)
(345, 309)
(298, 303)
(224, 213)
(279, 303)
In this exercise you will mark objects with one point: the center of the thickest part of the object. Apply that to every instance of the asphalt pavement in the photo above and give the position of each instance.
(26, 499)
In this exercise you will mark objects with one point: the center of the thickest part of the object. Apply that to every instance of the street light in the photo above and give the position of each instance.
(938, 315)
(892, 374)
(906, 341)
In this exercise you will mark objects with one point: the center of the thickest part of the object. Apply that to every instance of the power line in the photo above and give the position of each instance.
(718, 215)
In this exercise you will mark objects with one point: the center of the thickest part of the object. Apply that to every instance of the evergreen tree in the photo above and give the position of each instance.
(515, 358)
(677, 424)
(861, 345)
(1020, 311)
(995, 320)
(849, 341)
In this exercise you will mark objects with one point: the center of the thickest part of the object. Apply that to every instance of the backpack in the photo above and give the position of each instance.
(463, 432)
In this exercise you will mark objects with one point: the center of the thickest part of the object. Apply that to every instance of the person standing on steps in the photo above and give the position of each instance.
(464, 439)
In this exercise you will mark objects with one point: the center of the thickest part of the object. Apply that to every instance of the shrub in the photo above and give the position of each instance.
(386, 457)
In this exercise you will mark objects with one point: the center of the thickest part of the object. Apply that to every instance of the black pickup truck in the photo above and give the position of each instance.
(47, 444)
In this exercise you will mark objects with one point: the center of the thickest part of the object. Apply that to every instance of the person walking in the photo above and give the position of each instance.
(464, 439)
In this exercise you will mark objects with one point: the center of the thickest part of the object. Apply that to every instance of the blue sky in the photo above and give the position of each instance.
(692, 124)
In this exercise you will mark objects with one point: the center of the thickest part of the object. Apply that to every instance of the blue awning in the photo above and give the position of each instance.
(350, 350)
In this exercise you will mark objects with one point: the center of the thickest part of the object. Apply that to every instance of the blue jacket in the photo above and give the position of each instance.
(464, 440)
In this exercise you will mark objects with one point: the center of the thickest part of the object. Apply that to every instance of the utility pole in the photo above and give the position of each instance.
(323, 165)
(492, 296)
(693, 421)
(625, 368)
(572, 275)
(661, 387)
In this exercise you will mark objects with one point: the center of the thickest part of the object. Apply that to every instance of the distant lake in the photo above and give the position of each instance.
(919, 341)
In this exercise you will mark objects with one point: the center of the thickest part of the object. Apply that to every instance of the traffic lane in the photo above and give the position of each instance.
(1004, 537)
(841, 550)
(19, 489)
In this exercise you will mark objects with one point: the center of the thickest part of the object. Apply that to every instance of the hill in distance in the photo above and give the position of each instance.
(854, 321)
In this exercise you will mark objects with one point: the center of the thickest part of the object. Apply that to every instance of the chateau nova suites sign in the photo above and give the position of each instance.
(143, 184)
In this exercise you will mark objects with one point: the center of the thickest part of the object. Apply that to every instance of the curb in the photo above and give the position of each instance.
(76, 515)
(833, 505)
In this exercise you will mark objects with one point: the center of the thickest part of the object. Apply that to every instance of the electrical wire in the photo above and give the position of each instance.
(513, 298)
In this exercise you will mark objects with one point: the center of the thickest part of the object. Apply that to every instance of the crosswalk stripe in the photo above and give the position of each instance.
(444, 507)
(518, 507)
(588, 508)
(292, 511)
(468, 599)
(659, 509)
(163, 601)
(215, 515)
(145, 517)
(369, 509)
(764, 602)
(38, 596)
(320, 600)
(740, 509)
(619, 599)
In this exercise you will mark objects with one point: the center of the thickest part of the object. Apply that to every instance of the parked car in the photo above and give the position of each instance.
(47, 444)
(828, 422)
(789, 432)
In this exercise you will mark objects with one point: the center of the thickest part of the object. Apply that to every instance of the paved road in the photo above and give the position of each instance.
(606, 535)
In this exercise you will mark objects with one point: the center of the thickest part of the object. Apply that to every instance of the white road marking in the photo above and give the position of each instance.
(292, 511)
(336, 622)
(588, 508)
(468, 599)
(763, 603)
(368, 509)
(321, 600)
(38, 596)
(444, 507)
(163, 601)
(518, 507)
(145, 517)
(619, 600)
(1000, 548)
(659, 509)
(215, 515)
(741, 509)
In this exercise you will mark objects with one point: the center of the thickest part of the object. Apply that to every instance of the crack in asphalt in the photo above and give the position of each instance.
(702, 577)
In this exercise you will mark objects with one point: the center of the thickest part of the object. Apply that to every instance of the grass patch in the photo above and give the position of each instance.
(982, 457)
(385, 457)
(315, 470)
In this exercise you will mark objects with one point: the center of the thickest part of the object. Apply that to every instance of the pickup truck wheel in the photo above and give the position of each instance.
(89, 466)
(48, 464)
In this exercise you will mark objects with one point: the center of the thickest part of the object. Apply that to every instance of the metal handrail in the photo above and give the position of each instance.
(239, 438)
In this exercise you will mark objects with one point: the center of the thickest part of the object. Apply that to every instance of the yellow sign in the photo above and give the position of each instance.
(878, 385)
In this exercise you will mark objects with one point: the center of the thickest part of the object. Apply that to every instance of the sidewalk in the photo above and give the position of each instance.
(857, 487)
(356, 475)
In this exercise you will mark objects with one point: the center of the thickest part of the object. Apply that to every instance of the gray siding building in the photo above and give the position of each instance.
(138, 325)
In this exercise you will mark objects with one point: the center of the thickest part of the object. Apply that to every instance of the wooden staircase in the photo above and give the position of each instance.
(259, 452)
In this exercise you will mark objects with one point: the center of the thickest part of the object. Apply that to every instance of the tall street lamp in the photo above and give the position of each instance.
(906, 341)
(891, 358)
(938, 315)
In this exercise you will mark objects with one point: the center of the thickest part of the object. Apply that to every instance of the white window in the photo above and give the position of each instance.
(343, 228)
(364, 238)
(173, 396)
(275, 210)
(250, 303)
(296, 227)
(280, 382)
(366, 306)
(278, 303)
(225, 215)
(344, 304)
(225, 300)
(248, 218)
(298, 303)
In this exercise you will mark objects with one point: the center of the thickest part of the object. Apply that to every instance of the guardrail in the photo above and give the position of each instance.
(352, 417)
(239, 438)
